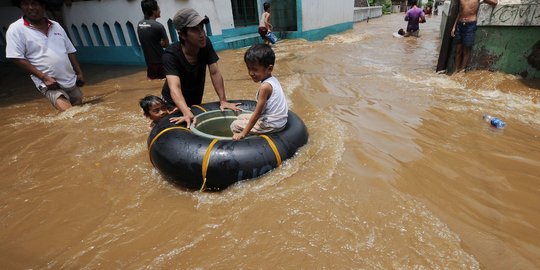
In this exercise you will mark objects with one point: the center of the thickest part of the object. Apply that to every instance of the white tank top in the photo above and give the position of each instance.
(275, 111)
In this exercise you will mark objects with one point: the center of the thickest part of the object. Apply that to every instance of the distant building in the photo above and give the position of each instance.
(104, 32)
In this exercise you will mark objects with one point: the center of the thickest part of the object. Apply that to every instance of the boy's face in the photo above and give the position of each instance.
(157, 111)
(258, 72)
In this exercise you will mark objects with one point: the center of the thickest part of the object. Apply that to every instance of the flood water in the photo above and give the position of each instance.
(400, 171)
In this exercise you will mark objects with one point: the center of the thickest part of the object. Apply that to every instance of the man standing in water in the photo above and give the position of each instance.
(414, 17)
(42, 48)
(153, 39)
(185, 66)
(464, 31)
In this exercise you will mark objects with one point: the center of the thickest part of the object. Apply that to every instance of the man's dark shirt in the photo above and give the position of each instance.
(192, 77)
(150, 34)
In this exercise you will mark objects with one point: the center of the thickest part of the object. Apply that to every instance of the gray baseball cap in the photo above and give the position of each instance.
(188, 17)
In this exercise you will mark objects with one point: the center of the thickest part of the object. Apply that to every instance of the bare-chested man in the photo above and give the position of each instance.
(464, 30)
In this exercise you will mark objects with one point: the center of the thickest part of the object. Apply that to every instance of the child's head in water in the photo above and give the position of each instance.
(401, 32)
(153, 108)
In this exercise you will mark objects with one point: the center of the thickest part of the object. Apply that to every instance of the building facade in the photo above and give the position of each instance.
(104, 32)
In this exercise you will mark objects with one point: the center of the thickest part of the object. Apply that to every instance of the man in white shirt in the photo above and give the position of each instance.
(42, 48)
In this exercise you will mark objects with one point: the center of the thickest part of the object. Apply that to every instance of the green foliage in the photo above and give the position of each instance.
(387, 7)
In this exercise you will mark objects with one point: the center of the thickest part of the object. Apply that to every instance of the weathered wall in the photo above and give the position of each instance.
(506, 49)
(510, 15)
(507, 37)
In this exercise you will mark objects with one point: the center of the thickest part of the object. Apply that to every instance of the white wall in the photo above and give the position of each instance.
(364, 13)
(99, 12)
(322, 13)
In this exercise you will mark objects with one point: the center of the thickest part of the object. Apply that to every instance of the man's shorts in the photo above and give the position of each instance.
(155, 71)
(465, 33)
(73, 94)
(263, 31)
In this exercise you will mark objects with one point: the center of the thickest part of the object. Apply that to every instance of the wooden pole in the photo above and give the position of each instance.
(446, 43)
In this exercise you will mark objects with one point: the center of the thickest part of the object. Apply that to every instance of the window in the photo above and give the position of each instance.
(245, 12)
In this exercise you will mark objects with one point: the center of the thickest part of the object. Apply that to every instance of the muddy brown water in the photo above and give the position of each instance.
(400, 170)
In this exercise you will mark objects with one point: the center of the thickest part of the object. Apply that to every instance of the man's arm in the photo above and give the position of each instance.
(175, 88)
(164, 42)
(50, 82)
(77, 68)
(217, 82)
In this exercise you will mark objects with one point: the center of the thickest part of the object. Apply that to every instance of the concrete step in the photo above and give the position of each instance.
(242, 40)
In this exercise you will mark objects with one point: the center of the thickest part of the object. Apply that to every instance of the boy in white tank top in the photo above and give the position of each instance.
(271, 111)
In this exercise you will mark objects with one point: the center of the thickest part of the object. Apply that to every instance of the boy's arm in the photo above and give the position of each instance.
(453, 33)
(264, 92)
(491, 2)
(267, 22)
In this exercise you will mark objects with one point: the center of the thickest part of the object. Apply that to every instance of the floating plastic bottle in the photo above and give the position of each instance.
(494, 121)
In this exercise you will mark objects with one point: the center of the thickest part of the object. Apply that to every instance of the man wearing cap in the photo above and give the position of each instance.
(185, 66)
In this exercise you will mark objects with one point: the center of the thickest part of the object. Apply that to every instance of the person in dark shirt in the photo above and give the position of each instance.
(153, 39)
(185, 66)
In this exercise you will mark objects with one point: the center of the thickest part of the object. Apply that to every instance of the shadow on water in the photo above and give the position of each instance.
(16, 87)
(531, 83)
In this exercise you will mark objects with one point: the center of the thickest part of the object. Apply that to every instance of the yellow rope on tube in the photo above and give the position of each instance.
(274, 148)
(205, 163)
(200, 107)
(158, 135)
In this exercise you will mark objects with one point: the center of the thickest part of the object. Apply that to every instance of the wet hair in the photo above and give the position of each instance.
(148, 101)
(261, 54)
(266, 6)
(17, 3)
(401, 32)
(412, 2)
(148, 7)
(182, 31)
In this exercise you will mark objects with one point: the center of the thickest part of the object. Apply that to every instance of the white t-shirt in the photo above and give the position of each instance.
(48, 53)
(275, 112)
